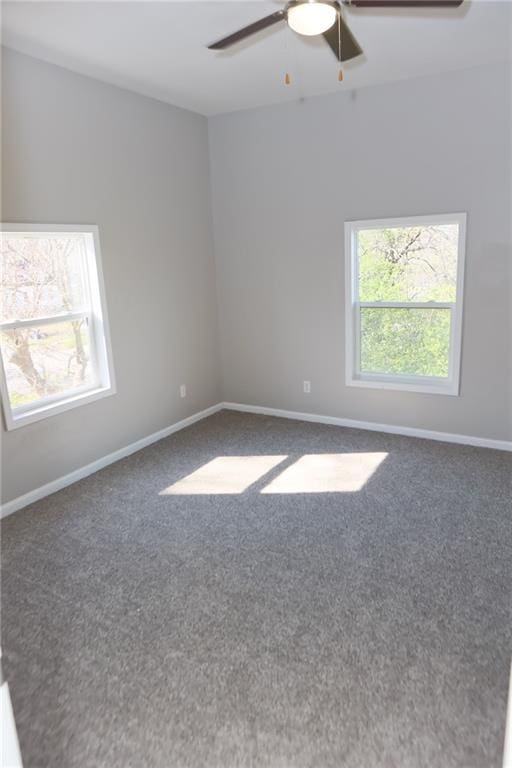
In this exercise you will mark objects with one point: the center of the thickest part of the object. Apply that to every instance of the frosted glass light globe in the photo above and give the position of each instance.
(311, 18)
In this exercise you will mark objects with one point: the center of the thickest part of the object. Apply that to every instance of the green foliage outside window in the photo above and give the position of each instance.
(406, 264)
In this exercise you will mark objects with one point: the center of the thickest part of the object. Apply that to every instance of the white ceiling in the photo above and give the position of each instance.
(159, 48)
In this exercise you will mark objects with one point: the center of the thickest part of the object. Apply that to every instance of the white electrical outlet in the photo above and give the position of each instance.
(183, 390)
(307, 387)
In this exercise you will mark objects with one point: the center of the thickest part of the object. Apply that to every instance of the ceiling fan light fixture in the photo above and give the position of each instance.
(311, 17)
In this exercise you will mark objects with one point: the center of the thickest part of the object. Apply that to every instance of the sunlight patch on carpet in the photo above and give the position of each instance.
(225, 474)
(327, 473)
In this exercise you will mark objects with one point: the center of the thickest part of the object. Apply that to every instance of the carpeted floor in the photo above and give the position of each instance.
(184, 608)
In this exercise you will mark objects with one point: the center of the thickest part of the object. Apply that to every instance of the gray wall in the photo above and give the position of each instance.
(284, 180)
(78, 151)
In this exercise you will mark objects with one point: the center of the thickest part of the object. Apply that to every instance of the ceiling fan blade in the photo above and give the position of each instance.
(267, 21)
(349, 47)
(403, 3)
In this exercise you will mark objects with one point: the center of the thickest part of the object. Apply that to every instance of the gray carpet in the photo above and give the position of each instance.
(362, 628)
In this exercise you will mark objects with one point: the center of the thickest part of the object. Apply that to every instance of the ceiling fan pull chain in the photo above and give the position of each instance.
(287, 77)
(340, 71)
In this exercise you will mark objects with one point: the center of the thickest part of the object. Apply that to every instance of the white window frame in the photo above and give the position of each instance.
(428, 384)
(95, 312)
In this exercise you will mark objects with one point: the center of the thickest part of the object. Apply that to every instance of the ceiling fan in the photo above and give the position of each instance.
(319, 17)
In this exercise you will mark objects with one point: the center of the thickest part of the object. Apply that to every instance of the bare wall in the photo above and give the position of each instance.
(78, 151)
(285, 179)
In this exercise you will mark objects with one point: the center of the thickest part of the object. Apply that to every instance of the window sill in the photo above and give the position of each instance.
(14, 421)
(405, 385)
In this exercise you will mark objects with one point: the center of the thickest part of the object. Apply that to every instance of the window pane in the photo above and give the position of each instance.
(408, 263)
(405, 341)
(46, 360)
(41, 275)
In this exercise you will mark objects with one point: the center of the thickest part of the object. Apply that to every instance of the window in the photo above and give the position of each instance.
(404, 286)
(54, 341)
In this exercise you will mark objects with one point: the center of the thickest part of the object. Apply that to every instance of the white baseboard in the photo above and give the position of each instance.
(10, 755)
(61, 482)
(507, 750)
(445, 437)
